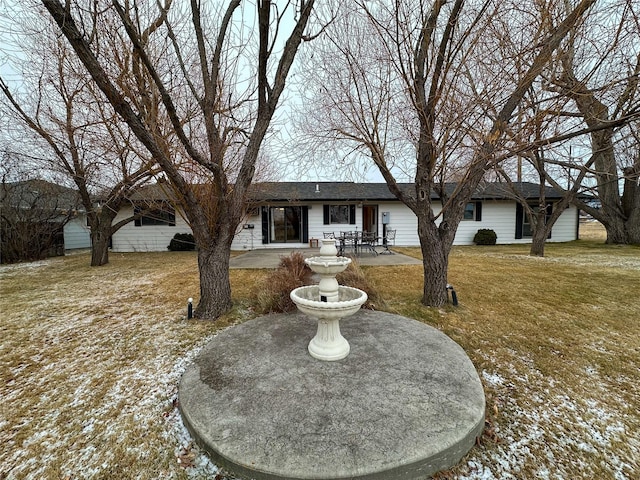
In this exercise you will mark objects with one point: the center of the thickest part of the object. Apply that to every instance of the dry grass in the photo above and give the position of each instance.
(557, 343)
(354, 276)
(592, 230)
(292, 272)
(90, 359)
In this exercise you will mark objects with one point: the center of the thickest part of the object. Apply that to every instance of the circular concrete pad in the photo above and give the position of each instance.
(406, 403)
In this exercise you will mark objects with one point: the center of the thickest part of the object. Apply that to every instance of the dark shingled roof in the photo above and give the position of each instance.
(322, 191)
(353, 192)
(37, 193)
(349, 191)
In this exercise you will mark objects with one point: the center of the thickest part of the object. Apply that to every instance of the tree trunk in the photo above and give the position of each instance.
(633, 228)
(631, 202)
(596, 114)
(215, 286)
(101, 231)
(538, 242)
(435, 264)
(540, 231)
(100, 245)
(615, 227)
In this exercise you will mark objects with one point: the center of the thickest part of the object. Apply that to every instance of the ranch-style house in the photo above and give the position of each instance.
(297, 214)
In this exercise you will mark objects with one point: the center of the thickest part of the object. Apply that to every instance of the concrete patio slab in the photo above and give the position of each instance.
(269, 258)
(406, 403)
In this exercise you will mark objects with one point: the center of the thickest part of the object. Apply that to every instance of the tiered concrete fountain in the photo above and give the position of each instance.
(328, 302)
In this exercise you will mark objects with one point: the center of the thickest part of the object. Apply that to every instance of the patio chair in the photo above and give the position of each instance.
(369, 242)
(348, 240)
(328, 235)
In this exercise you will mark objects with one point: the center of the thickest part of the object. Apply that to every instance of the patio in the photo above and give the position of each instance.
(269, 258)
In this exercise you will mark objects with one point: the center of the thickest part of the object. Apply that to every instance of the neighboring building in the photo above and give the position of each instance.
(292, 214)
(40, 219)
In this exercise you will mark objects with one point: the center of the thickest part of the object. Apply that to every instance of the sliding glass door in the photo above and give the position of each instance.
(286, 224)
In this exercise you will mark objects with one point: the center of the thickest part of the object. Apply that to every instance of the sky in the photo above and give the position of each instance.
(278, 147)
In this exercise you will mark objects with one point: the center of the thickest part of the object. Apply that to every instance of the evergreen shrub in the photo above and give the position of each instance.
(182, 242)
(485, 236)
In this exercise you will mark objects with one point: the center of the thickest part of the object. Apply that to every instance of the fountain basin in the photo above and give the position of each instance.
(328, 344)
(308, 301)
(325, 265)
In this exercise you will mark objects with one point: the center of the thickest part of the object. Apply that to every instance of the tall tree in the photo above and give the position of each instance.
(33, 213)
(619, 213)
(86, 141)
(588, 101)
(433, 79)
(219, 82)
(578, 135)
(537, 115)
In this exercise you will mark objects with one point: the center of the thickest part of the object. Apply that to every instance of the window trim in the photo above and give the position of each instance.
(476, 212)
(165, 215)
(327, 213)
(522, 216)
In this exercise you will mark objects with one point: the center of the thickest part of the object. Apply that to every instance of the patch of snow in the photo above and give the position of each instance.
(529, 422)
(492, 378)
(22, 267)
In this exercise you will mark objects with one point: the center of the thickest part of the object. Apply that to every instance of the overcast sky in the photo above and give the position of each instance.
(279, 147)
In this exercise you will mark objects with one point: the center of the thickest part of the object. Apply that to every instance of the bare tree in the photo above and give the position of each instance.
(431, 84)
(33, 213)
(589, 101)
(561, 115)
(619, 213)
(86, 141)
(219, 82)
(536, 116)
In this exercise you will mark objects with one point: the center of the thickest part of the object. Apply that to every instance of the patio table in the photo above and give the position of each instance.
(357, 241)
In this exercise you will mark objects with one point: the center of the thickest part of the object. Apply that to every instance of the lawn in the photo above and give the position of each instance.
(90, 359)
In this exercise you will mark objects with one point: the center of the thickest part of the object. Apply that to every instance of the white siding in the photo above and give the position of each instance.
(316, 220)
(402, 220)
(147, 238)
(499, 216)
(249, 238)
(566, 228)
(77, 233)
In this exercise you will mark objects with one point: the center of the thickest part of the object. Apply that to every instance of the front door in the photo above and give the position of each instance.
(370, 218)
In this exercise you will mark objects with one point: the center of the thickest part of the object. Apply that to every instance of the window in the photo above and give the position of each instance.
(473, 211)
(161, 214)
(339, 214)
(524, 227)
(286, 224)
(469, 211)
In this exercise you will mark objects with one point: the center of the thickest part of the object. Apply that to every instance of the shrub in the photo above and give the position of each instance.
(291, 273)
(485, 236)
(354, 277)
(182, 242)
